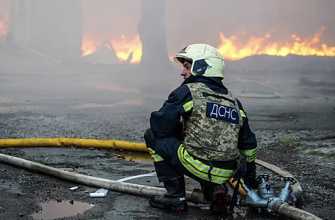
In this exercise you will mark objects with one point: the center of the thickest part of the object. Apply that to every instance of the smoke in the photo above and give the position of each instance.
(46, 38)
(196, 21)
(186, 21)
(190, 21)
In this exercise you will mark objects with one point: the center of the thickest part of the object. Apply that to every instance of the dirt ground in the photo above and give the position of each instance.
(295, 132)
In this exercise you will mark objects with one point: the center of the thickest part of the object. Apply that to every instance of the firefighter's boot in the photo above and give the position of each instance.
(174, 199)
(220, 200)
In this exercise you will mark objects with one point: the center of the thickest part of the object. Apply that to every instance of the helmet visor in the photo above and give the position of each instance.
(182, 59)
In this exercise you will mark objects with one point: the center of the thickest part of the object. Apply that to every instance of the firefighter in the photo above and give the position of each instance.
(202, 132)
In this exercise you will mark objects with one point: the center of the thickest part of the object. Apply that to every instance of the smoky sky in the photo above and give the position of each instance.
(191, 21)
(200, 21)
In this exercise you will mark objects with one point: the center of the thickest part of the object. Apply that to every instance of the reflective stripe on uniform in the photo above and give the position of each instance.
(188, 106)
(242, 114)
(200, 169)
(250, 154)
(155, 156)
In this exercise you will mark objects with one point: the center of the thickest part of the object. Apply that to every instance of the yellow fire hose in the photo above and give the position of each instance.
(283, 209)
(68, 142)
(117, 145)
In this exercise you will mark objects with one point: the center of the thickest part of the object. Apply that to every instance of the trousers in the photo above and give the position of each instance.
(171, 160)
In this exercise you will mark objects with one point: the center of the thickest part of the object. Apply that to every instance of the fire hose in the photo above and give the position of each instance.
(272, 203)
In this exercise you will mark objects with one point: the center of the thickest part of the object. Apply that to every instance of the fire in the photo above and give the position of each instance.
(123, 48)
(88, 46)
(231, 49)
(3, 25)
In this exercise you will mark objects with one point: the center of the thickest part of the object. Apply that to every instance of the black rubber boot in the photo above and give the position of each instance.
(220, 200)
(174, 199)
(208, 191)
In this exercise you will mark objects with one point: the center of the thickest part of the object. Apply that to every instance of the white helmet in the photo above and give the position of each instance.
(205, 59)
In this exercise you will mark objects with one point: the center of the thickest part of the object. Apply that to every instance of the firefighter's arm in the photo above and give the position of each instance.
(166, 121)
(247, 146)
(247, 143)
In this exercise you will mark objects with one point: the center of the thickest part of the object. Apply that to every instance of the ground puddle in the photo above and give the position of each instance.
(55, 210)
(140, 157)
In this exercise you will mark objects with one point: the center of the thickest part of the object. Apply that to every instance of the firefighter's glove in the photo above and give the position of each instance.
(250, 176)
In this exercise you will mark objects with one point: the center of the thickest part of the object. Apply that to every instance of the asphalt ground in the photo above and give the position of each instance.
(98, 107)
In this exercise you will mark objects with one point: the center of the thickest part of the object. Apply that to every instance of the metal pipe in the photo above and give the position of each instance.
(276, 205)
(296, 188)
(253, 199)
(285, 193)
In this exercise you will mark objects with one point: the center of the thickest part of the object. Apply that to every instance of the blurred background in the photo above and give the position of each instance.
(108, 51)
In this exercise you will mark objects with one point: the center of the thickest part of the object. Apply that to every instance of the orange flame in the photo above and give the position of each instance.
(124, 48)
(233, 50)
(88, 46)
(230, 48)
(3, 25)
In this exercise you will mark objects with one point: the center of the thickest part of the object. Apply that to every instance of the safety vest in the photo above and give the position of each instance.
(211, 133)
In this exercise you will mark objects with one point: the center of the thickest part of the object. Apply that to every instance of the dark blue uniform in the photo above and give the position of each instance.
(164, 137)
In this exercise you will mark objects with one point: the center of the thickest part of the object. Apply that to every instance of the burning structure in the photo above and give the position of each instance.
(54, 31)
